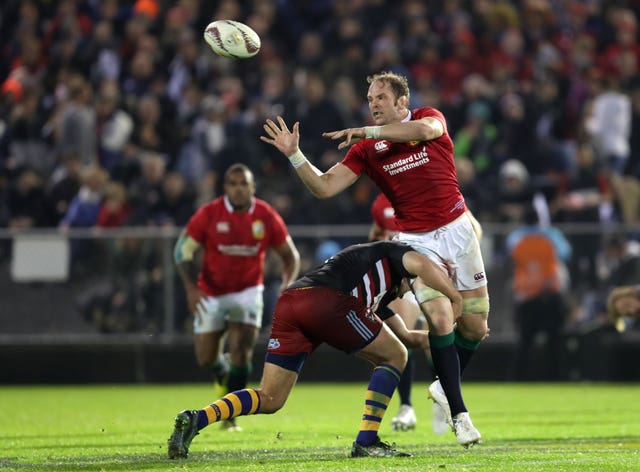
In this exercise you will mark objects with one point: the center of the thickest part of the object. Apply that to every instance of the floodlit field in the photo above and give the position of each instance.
(524, 426)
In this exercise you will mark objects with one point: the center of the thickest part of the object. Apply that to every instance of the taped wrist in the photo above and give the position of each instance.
(297, 159)
(372, 132)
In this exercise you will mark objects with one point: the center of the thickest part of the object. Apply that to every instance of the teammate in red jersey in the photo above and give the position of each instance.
(341, 303)
(225, 294)
(409, 155)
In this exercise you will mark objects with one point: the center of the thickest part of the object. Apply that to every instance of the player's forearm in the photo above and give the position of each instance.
(290, 270)
(188, 272)
(405, 132)
(417, 339)
(316, 181)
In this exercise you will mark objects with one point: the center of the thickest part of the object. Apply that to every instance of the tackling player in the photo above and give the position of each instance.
(409, 155)
(341, 303)
(225, 294)
(383, 227)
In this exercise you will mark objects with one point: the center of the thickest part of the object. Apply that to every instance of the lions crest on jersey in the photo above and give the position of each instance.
(257, 228)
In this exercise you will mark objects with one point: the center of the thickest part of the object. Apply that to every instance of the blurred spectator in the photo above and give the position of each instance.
(83, 213)
(85, 206)
(102, 51)
(76, 127)
(584, 197)
(200, 152)
(476, 139)
(151, 132)
(114, 129)
(26, 200)
(145, 190)
(540, 288)
(28, 146)
(608, 123)
(114, 210)
(623, 305)
(176, 203)
(477, 196)
(62, 187)
(547, 118)
(514, 194)
(315, 112)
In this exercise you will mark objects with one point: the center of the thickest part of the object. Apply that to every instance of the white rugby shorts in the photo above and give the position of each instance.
(455, 248)
(243, 307)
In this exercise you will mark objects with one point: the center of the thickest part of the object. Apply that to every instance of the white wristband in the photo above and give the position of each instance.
(372, 132)
(297, 159)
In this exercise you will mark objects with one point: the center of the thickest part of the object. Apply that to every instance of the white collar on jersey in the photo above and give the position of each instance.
(407, 118)
(229, 207)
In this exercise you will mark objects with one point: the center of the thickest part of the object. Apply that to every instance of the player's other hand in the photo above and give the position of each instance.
(349, 136)
(285, 141)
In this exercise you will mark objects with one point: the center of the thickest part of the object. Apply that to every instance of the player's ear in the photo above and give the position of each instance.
(403, 101)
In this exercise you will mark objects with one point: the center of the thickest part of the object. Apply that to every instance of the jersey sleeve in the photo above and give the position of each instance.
(355, 159)
(196, 227)
(279, 230)
(433, 113)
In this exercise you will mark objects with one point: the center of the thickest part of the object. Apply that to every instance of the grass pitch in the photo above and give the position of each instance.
(531, 427)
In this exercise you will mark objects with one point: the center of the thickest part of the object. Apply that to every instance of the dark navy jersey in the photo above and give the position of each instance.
(371, 272)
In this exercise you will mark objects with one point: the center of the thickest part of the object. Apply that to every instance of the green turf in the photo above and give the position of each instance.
(524, 426)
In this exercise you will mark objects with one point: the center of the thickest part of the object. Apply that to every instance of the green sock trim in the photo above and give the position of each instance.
(409, 351)
(441, 341)
(465, 343)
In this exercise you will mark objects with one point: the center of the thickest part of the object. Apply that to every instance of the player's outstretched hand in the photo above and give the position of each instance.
(350, 136)
(279, 136)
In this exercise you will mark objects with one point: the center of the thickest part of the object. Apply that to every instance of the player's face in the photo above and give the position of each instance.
(629, 305)
(239, 188)
(385, 108)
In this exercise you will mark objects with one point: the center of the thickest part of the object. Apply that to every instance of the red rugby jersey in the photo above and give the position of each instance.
(383, 214)
(235, 244)
(419, 178)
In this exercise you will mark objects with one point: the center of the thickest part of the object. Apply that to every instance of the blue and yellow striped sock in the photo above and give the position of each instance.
(238, 403)
(383, 382)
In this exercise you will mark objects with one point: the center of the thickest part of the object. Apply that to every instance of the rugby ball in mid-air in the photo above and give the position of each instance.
(232, 39)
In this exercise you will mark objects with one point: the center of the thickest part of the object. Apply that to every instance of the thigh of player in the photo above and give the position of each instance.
(305, 318)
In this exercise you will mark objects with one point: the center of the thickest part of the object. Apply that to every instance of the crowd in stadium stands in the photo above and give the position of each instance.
(116, 112)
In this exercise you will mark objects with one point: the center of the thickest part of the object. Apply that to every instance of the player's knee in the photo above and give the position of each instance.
(476, 333)
(399, 357)
(270, 404)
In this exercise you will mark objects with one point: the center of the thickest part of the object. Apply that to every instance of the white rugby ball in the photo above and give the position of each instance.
(232, 39)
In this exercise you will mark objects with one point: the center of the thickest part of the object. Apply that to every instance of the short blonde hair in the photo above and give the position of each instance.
(399, 83)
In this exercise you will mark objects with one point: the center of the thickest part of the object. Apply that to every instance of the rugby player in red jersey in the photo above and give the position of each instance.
(225, 293)
(409, 155)
(341, 303)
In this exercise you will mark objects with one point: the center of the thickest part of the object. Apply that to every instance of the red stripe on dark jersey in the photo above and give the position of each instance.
(387, 272)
